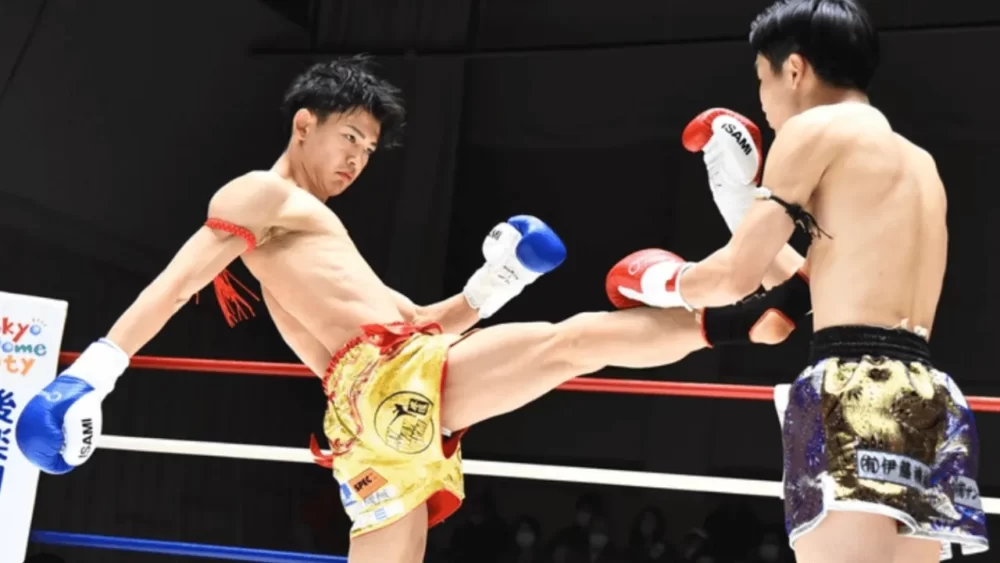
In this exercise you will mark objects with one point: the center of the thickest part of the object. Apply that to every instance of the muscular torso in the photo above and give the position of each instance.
(883, 203)
(317, 287)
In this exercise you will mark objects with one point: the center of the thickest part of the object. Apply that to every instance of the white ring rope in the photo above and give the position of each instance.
(569, 474)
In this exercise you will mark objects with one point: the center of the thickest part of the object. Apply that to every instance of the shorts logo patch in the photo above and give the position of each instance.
(967, 493)
(893, 468)
(404, 421)
(367, 484)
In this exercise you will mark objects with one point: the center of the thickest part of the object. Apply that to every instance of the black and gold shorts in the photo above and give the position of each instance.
(871, 426)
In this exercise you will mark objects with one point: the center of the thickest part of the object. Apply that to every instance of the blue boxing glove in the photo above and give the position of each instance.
(517, 253)
(58, 427)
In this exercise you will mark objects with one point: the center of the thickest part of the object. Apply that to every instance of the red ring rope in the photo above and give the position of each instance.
(589, 384)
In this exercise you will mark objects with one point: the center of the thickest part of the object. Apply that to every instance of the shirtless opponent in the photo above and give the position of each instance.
(398, 375)
(880, 448)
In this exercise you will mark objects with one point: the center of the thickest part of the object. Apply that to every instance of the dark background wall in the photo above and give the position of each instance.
(119, 119)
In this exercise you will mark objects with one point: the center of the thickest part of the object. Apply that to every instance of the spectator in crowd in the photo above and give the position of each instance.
(647, 539)
(576, 537)
(483, 537)
(525, 545)
(693, 544)
(600, 548)
(773, 548)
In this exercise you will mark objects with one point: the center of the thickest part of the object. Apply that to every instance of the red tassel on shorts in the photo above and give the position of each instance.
(321, 459)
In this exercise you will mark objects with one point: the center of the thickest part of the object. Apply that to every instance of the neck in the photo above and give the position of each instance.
(830, 96)
(286, 168)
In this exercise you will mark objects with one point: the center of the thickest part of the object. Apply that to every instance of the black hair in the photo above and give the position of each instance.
(347, 84)
(835, 36)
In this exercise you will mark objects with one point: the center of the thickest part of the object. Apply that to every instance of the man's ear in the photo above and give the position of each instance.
(303, 122)
(795, 68)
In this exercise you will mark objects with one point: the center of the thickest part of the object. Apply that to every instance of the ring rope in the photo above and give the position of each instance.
(180, 548)
(612, 477)
(538, 472)
(585, 384)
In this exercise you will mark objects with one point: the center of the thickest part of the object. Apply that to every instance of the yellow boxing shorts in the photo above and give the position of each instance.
(383, 423)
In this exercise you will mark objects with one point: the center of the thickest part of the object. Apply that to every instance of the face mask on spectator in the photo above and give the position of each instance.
(647, 525)
(657, 550)
(597, 541)
(768, 552)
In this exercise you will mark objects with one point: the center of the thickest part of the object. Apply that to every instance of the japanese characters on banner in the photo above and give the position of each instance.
(31, 330)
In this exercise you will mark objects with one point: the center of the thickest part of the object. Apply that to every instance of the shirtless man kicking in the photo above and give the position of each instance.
(403, 380)
(880, 448)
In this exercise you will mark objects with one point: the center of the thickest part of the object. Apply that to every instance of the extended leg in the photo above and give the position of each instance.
(504, 367)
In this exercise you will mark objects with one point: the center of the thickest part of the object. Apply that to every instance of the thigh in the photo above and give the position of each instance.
(402, 542)
(849, 537)
(504, 367)
(916, 550)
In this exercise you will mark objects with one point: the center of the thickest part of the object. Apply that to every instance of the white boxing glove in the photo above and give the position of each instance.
(517, 253)
(59, 426)
(733, 152)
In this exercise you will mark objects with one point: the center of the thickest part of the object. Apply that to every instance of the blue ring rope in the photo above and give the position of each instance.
(180, 548)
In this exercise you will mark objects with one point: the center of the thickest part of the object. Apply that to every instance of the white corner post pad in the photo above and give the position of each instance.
(781, 396)
(30, 339)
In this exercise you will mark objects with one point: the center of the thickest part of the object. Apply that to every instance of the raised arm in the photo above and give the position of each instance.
(732, 149)
(801, 154)
(58, 427)
(238, 214)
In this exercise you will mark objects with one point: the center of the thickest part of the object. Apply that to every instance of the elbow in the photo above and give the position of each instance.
(734, 280)
(416, 314)
(169, 290)
(736, 288)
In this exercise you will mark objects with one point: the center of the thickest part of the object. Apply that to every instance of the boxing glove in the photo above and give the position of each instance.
(58, 427)
(517, 253)
(733, 152)
(647, 277)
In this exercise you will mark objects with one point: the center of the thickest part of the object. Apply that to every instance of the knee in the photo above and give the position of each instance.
(772, 328)
(572, 343)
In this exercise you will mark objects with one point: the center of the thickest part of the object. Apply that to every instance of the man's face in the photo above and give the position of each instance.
(776, 93)
(336, 150)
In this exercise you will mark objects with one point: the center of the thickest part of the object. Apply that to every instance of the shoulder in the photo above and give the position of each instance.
(250, 199)
(927, 168)
(819, 135)
(256, 185)
(919, 154)
(806, 140)
(819, 126)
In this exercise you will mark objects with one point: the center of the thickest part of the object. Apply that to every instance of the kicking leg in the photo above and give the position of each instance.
(504, 367)
(402, 542)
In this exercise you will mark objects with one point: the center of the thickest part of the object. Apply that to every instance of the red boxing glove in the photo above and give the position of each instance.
(646, 277)
(733, 153)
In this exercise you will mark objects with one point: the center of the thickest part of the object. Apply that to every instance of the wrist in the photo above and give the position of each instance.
(677, 285)
(733, 201)
(487, 291)
(100, 365)
(476, 290)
